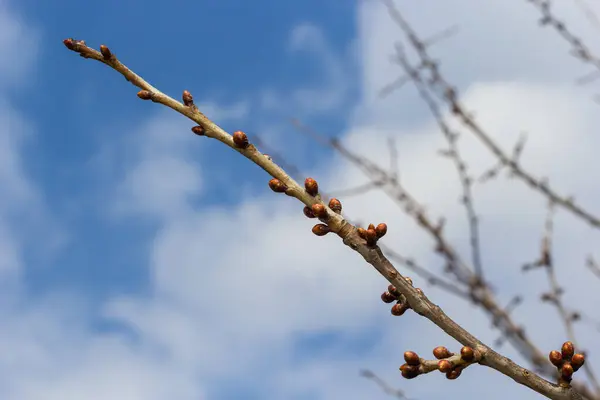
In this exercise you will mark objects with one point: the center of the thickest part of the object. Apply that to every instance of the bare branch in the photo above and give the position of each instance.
(578, 49)
(554, 296)
(445, 91)
(350, 235)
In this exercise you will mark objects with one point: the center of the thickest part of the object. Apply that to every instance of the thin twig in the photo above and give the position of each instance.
(387, 389)
(578, 49)
(554, 296)
(417, 301)
(448, 93)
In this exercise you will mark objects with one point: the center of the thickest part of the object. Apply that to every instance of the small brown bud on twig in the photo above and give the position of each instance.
(311, 186)
(319, 210)
(335, 205)
(407, 279)
(371, 236)
(441, 352)
(411, 358)
(555, 358)
(105, 52)
(198, 130)
(567, 350)
(362, 232)
(381, 230)
(188, 99)
(577, 361)
(69, 43)
(393, 290)
(566, 371)
(467, 353)
(321, 229)
(399, 309)
(277, 186)
(387, 297)
(409, 371)
(144, 95)
(308, 212)
(455, 373)
(444, 366)
(240, 139)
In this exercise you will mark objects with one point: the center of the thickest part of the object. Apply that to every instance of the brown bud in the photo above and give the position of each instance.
(441, 352)
(555, 358)
(198, 130)
(577, 361)
(277, 186)
(335, 205)
(566, 371)
(398, 309)
(455, 373)
(144, 95)
(409, 371)
(105, 52)
(319, 210)
(420, 291)
(567, 350)
(240, 139)
(321, 229)
(308, 212)
(444, 366)
(393, 290)
(371, 226)
(467, 353)
(188, 99)
(407, 279)
(381, 230)
(311, 186)
(387, 297)
(411, 358)
(371, 236)
(69, 43)
(362, 232)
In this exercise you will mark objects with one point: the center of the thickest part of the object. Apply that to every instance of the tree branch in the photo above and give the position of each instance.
(335, 223)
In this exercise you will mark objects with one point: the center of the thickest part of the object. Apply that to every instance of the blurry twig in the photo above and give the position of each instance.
(387, 389)
(593, 266)
(479, 291)
(445, 91)
(578, 49)
(554, 296)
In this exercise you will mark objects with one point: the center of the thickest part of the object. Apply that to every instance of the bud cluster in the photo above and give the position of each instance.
(566, 362)
(393, 295)
(446, 362)
(373, 233)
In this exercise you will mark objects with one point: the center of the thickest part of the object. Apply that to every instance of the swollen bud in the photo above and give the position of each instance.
(321, 229)
(311, 186)
(106, 54)
(198, 130)
(188, 99)
(144, 95)
(277, 186)
(335, 205)
(240, 139)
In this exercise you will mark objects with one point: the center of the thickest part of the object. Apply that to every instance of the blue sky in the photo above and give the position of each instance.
(251, 46)
(138, 261)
